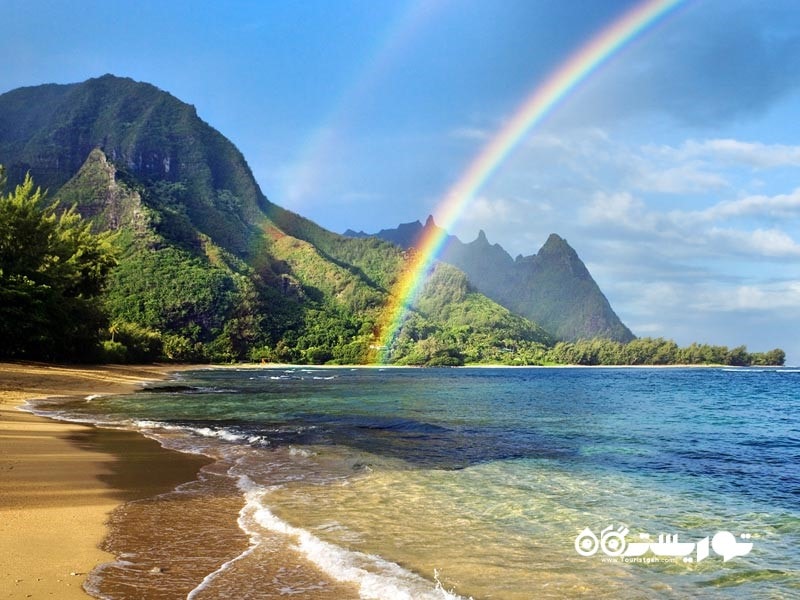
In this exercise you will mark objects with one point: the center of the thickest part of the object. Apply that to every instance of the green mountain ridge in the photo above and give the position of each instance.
(208, 267)
(552, 287)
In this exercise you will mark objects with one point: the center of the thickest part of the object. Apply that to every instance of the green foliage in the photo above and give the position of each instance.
(453, 325)
(656, 351)
(772, 357)
(202, 310)
(374, 261)
(136, 344)
(52, 271)
(202, 302)
(207, 264)
(113, 352)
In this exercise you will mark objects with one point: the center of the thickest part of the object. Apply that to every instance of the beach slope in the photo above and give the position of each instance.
(59, 481)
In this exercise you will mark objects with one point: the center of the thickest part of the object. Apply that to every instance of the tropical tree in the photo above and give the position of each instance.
(52, 272)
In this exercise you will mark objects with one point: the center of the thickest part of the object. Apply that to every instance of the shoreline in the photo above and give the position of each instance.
(59, 481)
(255, 366)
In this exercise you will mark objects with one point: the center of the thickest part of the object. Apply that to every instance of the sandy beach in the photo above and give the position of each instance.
(59, 481)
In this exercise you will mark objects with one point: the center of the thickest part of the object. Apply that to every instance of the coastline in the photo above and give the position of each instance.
(59, 481)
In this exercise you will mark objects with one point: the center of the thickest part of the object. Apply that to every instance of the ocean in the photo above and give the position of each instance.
(490, 483)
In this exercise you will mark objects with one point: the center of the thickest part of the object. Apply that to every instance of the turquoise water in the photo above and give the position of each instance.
(412, 483)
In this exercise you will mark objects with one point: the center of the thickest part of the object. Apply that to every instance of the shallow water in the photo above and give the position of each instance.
(410, 483)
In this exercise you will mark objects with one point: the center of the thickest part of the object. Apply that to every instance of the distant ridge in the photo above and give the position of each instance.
(552, 287)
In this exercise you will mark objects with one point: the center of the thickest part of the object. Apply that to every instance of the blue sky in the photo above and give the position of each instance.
(674, 170)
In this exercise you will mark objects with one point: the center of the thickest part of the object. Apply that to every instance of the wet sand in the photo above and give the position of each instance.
(59, 481)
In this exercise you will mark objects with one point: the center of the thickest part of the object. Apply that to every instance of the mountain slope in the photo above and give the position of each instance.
(144, 131)
(553, 287)
(556, 287)
(208, 266)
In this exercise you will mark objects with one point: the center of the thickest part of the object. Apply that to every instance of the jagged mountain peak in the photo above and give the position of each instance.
(555, 242)
(552, 287)
(556, 250)
(100, 197)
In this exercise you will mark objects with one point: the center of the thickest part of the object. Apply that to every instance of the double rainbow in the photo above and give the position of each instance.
(534, 109)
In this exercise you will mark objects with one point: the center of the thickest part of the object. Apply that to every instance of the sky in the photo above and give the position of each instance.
(673, 169)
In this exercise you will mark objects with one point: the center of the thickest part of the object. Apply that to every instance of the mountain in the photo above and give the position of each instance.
(208, 267)
(552, 287)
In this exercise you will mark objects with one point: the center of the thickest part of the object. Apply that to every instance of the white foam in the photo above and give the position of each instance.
(146, 424)
(301, 452)
(222, 434)
(93, 579)
(30, 406)
(376, 578)
(255, 540)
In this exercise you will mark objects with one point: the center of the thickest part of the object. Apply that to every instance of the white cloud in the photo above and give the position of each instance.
(763, 298)
(760, 315)
(784, 206)
(484, 210)
(649, 329)
(764, 242)
(703, 166)
(713, 296)
(583, 140)
(774, 242)
(681, 233)
(751, 154)
(680, 179)
(621, 209)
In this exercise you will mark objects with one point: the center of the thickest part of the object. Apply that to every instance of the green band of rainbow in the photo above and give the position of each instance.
(536, 107)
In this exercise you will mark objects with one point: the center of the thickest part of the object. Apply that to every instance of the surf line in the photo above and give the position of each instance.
(542, 101)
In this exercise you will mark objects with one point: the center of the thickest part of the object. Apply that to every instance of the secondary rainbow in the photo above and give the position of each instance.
(534, 109)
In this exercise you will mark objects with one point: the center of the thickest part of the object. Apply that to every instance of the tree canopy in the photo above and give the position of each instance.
(52, 272)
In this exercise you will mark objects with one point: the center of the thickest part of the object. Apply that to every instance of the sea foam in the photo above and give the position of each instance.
(208, 432)
(375, 577)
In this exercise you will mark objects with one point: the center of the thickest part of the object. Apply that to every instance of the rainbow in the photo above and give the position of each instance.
(541, 102)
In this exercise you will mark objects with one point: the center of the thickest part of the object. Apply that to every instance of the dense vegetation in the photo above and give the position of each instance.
(52, 272)
(656, 351)
(133, 296)
(300, 294)
(158, 245)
